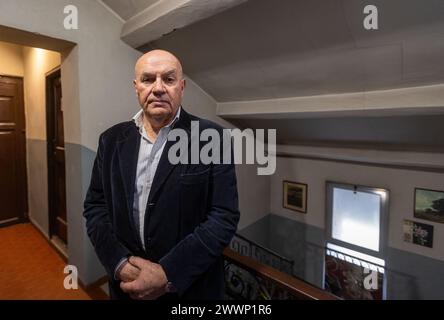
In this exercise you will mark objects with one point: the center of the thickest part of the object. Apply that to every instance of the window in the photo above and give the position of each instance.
(356, 239)
(356, 217)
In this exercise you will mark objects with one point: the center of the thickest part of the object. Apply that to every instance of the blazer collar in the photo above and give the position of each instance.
(165, 167)
(128, 151)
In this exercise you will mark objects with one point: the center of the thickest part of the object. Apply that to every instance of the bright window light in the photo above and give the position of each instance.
(356, 217)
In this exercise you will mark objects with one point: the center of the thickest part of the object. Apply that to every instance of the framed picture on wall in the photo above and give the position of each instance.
(429, 205)
(418, 233)
(295, 196)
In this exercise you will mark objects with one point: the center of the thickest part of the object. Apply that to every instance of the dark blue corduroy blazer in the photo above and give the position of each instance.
(191, 216)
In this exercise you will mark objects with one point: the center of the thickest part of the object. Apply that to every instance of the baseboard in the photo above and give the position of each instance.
(44, 235)
(94, 290)
(35, 224)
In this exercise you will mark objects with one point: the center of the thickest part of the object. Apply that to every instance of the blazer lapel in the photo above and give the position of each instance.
(165, 167)
(128, 152)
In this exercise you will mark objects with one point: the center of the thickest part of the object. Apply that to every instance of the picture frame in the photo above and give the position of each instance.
(418, 233)
(429, 205)
(295, 196)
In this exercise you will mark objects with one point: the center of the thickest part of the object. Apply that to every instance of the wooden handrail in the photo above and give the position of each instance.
(298, 288)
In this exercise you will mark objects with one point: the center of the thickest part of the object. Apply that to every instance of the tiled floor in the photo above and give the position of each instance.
(30, 268)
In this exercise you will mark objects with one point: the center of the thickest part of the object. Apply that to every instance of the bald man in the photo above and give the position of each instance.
(158, 228)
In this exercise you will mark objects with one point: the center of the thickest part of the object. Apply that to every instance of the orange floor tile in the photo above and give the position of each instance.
(30, 268)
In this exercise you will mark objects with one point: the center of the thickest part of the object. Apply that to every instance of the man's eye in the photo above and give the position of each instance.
(170, 80)
(149, 80)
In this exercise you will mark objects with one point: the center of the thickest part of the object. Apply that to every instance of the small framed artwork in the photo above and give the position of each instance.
(429, 205)
(295, 196)
(418, 233)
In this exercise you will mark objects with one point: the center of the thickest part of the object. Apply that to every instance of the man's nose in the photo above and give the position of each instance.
(158, 87)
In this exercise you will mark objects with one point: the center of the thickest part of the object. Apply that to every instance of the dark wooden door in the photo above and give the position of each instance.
(58, 225)
(13, 195)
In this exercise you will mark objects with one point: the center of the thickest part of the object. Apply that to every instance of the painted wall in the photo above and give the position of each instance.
(400, 183)
(32, 64)
(302, 236)
(11, 61)
(409, 275)
(37, 63)
(254, 190)
(97, 93)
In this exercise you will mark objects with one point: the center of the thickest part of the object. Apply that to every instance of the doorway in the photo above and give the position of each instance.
(58, 225)
(13, 187)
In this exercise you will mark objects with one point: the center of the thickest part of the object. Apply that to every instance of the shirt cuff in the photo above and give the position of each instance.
(170, 288)
(120, 265)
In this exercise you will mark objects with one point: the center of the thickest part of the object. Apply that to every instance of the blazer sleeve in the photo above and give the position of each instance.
(98, 224)
(192, 256)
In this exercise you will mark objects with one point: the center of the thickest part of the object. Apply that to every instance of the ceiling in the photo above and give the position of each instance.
(269, 49)
(128, 8)
(266, 49)
(406, 133)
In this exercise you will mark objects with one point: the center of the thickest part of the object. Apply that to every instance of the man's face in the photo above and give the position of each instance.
(159, 84)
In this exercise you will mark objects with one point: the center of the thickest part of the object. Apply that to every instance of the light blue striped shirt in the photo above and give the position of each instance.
(149, 157)
(148, 160)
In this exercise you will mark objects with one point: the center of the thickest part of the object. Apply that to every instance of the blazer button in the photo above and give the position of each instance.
(152, 204)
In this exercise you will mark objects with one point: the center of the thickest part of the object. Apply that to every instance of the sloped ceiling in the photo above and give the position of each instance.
(128, 8)
(403, 133)
(266, 49)
(269, 49)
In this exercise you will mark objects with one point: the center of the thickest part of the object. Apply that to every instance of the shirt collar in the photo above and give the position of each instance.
(138, 119)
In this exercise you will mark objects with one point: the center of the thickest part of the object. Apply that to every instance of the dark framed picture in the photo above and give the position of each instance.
(429, 205)
(295, 196)
(418, 233)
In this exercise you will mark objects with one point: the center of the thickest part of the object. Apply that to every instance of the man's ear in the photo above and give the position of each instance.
(135, 86)
(184, 83)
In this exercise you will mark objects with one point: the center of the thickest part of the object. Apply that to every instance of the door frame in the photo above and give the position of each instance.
(22, 156)
(50, 108)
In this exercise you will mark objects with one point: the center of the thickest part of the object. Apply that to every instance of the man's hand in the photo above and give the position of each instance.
(128, 272)
(151, 282)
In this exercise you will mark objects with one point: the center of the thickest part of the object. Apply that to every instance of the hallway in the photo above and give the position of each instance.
(30, 268)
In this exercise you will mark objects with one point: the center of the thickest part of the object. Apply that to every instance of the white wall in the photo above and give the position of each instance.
(400, 183)
(11, 59)
(254, 190)
(104, 62)
(37, 63)
(97, 93)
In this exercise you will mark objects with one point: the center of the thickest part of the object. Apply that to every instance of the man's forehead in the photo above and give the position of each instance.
(157, 68)
(157, 63)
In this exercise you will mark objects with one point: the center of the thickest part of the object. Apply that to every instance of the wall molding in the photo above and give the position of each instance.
(403, 101)
(429, 162)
